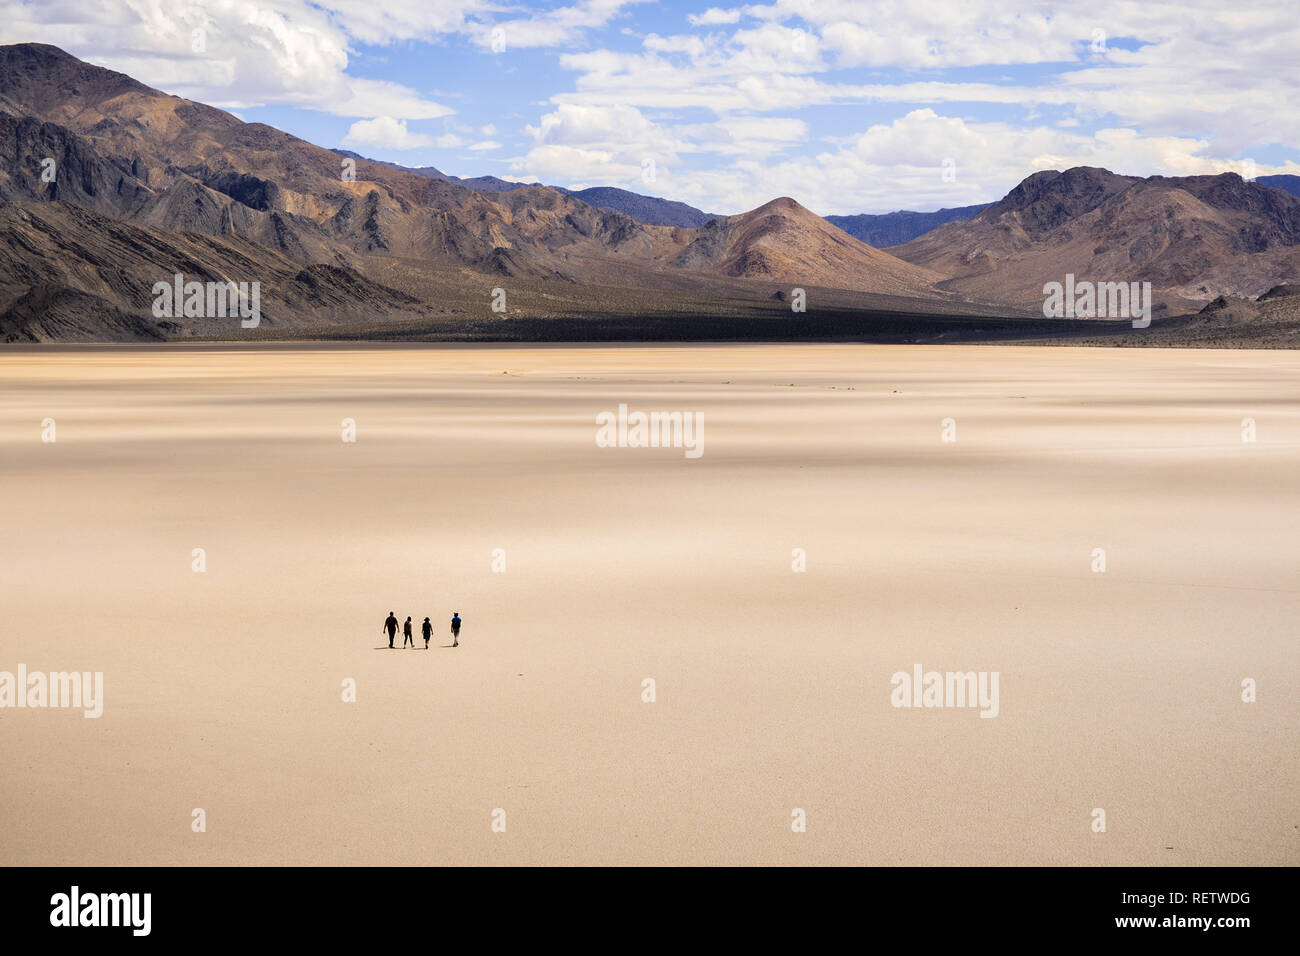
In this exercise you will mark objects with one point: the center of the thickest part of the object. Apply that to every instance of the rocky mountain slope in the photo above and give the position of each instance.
(174, 170)
(111, 187)
(1194, 238)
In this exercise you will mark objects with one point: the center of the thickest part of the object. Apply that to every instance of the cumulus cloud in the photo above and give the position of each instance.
(611, 126)
(714, 16)
(385, 132)
(224, 52)
(1159, 87)
(608, 145)
(748, 101)
(752, 136)
(575, 164)
(924, 160)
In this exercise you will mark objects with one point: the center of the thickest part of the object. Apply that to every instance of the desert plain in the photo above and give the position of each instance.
(475, 484)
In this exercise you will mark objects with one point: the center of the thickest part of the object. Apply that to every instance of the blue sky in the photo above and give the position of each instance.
(846, 105)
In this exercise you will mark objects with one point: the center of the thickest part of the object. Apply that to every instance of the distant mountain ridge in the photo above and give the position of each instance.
(894, 228)
(885, 229)
(650, 210)
(1284, 182)
(490, 184)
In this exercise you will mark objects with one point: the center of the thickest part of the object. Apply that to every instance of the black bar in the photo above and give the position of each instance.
(983, 907)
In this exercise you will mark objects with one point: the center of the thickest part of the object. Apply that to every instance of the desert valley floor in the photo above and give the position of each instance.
(1120, 689)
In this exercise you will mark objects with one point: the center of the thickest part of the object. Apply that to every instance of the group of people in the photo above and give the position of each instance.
(426, 629)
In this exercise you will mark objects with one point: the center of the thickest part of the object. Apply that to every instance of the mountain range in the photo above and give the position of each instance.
(896, 228)
(650, 210)
(112, 187)
(1290, 184)
(883, 229)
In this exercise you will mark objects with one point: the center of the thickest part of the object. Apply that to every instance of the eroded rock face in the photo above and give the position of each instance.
(74, 274)
(1050, 199)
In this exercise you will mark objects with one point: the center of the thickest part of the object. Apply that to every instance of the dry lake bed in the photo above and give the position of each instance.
(697, 653)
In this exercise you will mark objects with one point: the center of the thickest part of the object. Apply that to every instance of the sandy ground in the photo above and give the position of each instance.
(222, 690)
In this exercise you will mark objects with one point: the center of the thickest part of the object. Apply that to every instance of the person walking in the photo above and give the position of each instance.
(406, 634)
(390, 626)
(455, 629)
(427, 630)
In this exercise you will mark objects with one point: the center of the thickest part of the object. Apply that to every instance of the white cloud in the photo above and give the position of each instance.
(599, 144)
(371, 22)
(714, 16)
(385, 132)
(570, 164)
(731, 114)
(901, 165)
(562, 26)
(248, 53)
(1156, 87)
(369, 96)
(612, 127)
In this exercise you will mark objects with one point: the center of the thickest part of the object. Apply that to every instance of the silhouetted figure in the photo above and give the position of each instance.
(455, 629)
(427, 630)
(390, 626)
(406, 634)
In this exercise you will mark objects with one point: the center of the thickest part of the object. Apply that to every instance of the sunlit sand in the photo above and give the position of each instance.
(1120, 690)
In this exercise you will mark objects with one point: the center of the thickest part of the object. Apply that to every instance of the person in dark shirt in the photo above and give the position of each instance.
(390, 626)
(427, 630)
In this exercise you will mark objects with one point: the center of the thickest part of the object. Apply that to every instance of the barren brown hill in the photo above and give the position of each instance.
(782, 239)
(174, 168)
(1194, 238)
